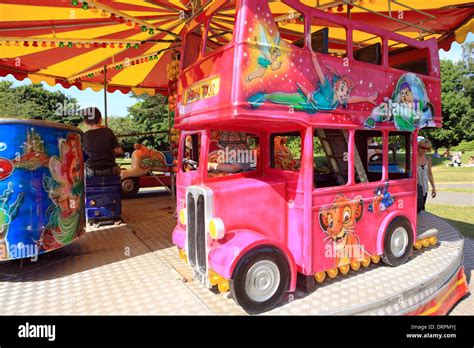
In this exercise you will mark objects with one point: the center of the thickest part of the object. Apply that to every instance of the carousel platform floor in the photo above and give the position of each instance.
(133, 269)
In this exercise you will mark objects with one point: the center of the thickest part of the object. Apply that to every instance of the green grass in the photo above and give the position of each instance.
(460, 217)
(453, 175)
(443, 174)
(124, 162)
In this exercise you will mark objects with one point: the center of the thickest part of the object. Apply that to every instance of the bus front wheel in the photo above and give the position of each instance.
(260, 280)
(397, 242)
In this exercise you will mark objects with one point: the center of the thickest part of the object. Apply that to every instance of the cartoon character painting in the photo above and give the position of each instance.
(270, 54)
(65, 189)
(408, 108)
(338, 223)
(34, 152)
(8, 212)
(382, 200)
(329, 95)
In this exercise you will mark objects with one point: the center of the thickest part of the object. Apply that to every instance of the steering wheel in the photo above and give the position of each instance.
(375, 157)
(191, 163)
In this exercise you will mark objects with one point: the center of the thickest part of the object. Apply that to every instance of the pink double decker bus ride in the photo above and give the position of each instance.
(297, 156)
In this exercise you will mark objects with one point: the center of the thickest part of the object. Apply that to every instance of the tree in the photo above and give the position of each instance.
(150, 114)
(126, 125)
(457, 107)
(35, 102)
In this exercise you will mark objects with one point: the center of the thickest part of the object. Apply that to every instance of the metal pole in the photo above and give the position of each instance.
(105, 94)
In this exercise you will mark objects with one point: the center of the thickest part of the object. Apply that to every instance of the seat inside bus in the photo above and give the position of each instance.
(410, 59)
(369, 54)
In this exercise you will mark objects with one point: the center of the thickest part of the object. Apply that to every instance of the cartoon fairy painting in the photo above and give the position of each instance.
(65, 189)
(329, 95)
(338, 222)
(8, 212)
(408, 108)
(270, 54)
(382, 200)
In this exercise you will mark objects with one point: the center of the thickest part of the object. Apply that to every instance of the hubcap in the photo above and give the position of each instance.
(127, 185)
(399, 241)
(262, 280)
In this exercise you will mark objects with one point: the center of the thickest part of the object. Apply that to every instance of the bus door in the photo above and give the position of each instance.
(338, 204)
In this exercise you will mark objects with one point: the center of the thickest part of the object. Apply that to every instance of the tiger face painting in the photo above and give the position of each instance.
(338, 222)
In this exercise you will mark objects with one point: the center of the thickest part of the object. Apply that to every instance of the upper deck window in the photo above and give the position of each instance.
(326, 37)
(193, 47)
(290, 24)
(367, 47)
(232, 152)
(405, 57)
(219, 31)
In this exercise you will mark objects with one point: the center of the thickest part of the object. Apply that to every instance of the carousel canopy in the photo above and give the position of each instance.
(129, 43)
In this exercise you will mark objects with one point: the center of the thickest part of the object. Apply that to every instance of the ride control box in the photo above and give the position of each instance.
(103, 204)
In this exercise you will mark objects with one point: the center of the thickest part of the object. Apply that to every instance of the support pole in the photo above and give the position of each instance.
(105, 95)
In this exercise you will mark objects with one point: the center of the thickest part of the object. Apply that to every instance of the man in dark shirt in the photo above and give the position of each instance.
(100, 145)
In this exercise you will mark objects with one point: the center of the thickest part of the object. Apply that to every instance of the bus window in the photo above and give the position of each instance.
(369, 147)
(232, 152)
(399, 146)
(193, 47)
(328, 38)
(219, 31)
(290, 25)
(192, 145)
(405, 57)
(367, 47)
(330, 157)
(286, 151)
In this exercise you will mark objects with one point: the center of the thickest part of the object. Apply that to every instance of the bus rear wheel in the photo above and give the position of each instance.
(260, 280)
(398, 242)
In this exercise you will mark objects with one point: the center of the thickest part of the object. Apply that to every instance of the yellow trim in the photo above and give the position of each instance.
(95, 86)
(461, 34)
(139, 91)
(438, 305)
(51, 81)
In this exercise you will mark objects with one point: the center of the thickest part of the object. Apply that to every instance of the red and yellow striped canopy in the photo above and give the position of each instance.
(71, 41)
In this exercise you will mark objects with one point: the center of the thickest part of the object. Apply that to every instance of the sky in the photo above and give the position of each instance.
(118, 102)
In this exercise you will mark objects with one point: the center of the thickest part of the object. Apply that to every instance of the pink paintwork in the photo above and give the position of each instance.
(277, 207)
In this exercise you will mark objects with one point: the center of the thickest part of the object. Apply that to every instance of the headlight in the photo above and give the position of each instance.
(216, 228)
(93, 203)
(182, 216)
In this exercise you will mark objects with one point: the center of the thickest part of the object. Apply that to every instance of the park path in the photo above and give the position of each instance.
(452, 198)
